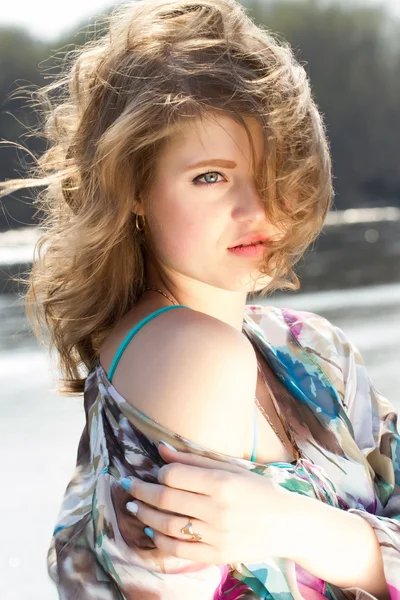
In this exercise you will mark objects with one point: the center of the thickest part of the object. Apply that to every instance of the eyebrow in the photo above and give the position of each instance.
(213, 162)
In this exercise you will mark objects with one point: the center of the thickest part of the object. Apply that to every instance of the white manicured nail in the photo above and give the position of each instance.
(133, 507)
(168, 445)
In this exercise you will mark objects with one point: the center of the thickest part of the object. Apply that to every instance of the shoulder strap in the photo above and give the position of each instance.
(130, 335)
(254, 453)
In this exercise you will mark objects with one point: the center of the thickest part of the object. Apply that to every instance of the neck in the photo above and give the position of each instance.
(224, 305)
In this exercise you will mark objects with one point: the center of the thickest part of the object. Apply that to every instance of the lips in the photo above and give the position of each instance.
(251, 239)
(247, 245)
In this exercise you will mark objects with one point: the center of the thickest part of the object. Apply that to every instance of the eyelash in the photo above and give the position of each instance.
(196, 179)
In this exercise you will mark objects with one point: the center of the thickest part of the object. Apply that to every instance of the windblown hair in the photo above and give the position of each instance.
(117, 102)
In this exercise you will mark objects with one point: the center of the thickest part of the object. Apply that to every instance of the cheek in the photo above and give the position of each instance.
(185, 235)
(182, 224)
(177, 231)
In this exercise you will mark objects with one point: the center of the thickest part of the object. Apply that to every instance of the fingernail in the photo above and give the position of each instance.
(168, 445)
(133, 507)
(148, 531)
(126, 484)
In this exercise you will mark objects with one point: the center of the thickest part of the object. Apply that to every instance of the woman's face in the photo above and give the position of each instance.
(195, 212)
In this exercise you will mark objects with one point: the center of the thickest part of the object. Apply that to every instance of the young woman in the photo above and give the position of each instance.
(177, 139)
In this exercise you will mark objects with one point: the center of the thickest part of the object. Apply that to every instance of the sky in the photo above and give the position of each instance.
(48, 19)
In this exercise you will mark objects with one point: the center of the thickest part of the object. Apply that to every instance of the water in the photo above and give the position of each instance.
(39, 429)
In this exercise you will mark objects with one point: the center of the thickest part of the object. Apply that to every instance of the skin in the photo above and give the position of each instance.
(334, 545)
(189, 228)
(190, 259)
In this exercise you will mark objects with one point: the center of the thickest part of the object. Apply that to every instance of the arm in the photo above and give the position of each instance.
(203, 391)
(196, 376)
(370, 535)
(338, 547)
(374, 421)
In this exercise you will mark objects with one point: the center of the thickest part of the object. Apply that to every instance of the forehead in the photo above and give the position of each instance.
(214, 135)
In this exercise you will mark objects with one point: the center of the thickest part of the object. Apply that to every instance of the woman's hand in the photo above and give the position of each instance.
(240, 516)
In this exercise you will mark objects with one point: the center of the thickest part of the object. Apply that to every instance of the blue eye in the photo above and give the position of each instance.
(212, 177)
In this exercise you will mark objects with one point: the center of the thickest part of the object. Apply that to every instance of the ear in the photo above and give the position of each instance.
(137, 206)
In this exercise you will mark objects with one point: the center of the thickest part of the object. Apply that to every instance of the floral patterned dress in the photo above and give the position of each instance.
(346, 430)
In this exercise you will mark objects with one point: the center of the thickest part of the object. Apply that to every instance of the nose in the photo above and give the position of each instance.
(248, 205)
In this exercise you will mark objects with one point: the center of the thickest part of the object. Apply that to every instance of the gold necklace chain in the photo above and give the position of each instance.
(295, 448)
(269, 420)
(153, 289)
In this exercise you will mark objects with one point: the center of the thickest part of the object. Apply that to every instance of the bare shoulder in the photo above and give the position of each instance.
(195, 375)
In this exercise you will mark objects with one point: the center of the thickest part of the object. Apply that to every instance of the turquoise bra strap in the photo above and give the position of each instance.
(133, 332)
(254, 454)
(130, 335)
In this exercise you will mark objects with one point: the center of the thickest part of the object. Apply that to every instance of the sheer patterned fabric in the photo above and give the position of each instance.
(346, 430)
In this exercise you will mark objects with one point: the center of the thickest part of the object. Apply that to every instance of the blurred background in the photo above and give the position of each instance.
(351, 50)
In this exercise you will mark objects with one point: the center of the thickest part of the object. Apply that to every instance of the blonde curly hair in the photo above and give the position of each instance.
(117, 102)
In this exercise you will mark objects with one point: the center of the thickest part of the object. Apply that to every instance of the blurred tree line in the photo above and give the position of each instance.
(351, 53)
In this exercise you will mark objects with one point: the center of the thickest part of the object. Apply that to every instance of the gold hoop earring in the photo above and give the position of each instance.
(137, 221)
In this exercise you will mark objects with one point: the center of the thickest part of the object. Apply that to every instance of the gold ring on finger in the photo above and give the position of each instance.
(187, 530)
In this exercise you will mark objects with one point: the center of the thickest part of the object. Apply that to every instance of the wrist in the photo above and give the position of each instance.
(290, 511)
(301, 515)
(337, 546)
